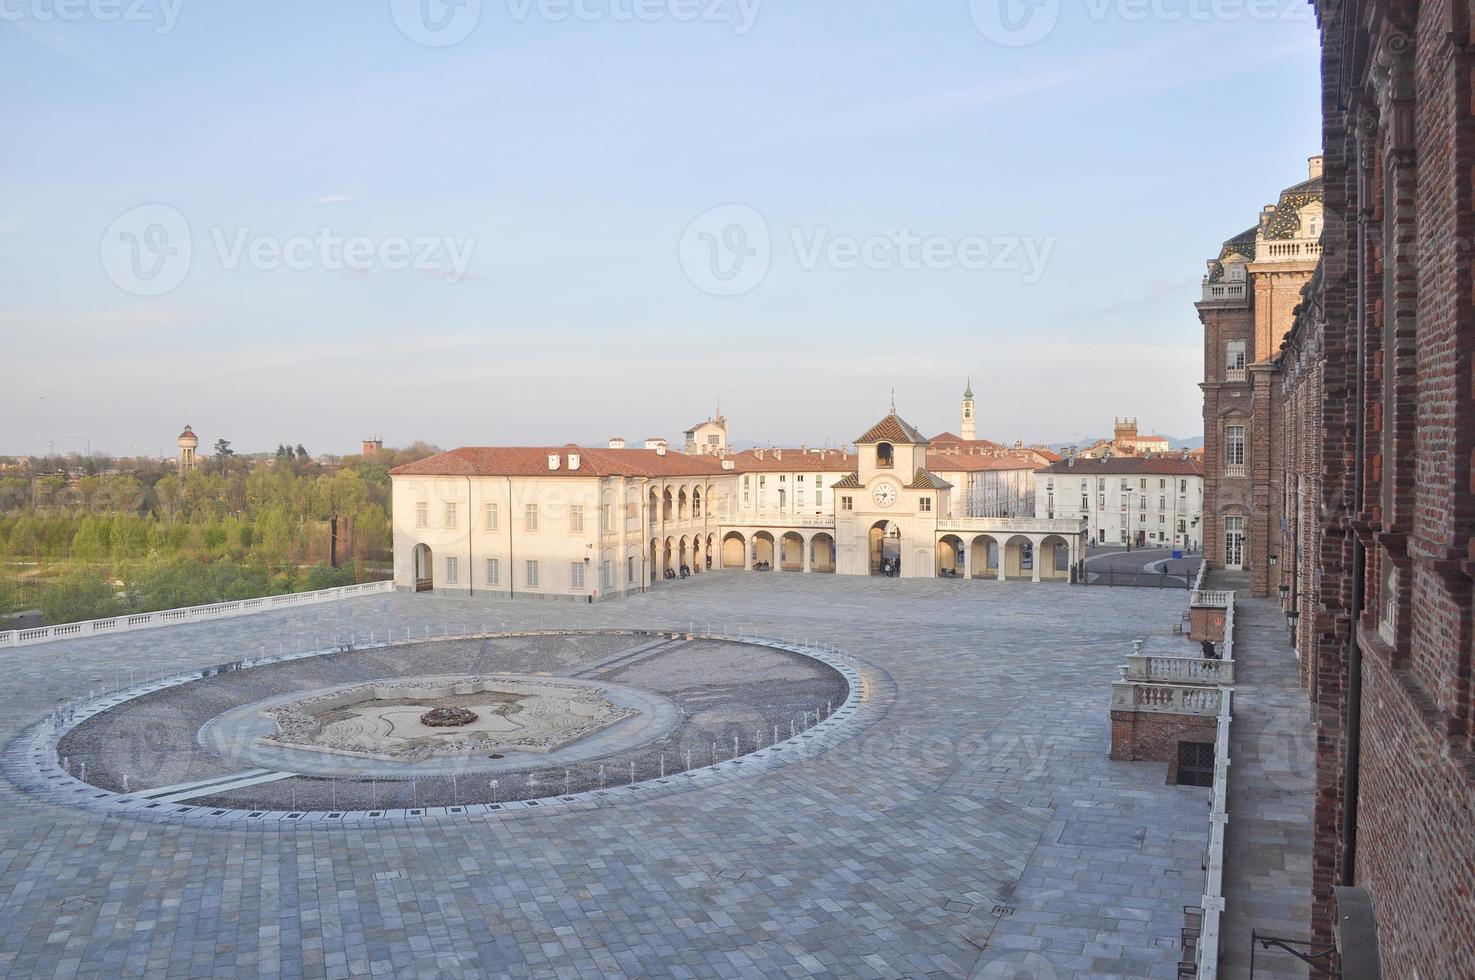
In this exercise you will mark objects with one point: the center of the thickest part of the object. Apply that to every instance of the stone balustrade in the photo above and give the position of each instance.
(1176, 699)
(190, 614)
(1211, 599)
(1179, 670)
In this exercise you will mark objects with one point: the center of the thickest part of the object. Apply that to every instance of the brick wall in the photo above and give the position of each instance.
(1153, 736)
(1399, 145)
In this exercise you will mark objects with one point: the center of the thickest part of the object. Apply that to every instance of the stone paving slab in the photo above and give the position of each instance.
(975, 828)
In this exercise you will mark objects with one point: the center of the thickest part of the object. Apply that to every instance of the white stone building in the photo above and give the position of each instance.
(583, 523)
(1156, 501)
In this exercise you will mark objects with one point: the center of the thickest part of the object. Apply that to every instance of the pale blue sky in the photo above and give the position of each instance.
(575, 154)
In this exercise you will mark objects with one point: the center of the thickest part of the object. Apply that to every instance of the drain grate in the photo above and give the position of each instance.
(1004, 911)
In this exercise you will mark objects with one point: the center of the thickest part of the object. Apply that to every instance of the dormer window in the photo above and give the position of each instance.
(884, 455)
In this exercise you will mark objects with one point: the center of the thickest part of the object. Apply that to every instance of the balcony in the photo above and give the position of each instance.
(1234, 469)
(1236, 374)
(1293, 250)
(1224, 292)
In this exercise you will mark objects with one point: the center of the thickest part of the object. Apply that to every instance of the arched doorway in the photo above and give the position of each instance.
(950, 555)
(822, 553)
(655, 563)
(668, 557)
(1019, 557)
(791, 554)
(734, 550)
(707, 552)
(983, 557)
(885, 541)
(1054, 557)
(763, 548)
(424, 569)
(683, 554)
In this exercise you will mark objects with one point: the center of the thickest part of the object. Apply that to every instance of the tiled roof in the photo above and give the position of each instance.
(950, 439)
(959, 463)
(893, 428)
(928, 481)
(792, 461)
(1130, 466)
(533, 461)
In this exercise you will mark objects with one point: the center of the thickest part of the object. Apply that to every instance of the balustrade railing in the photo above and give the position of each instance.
(1211, 599)
(190, 614)
(1178, 699)
(1152, 669)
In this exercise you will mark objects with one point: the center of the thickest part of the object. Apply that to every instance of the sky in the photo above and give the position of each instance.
(548, 221)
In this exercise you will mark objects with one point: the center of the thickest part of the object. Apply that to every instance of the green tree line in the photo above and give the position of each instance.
(80, 542)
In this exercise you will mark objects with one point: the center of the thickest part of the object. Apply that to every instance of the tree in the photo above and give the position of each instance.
(79, 595)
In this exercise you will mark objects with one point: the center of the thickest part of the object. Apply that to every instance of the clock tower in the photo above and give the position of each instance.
(886, 513)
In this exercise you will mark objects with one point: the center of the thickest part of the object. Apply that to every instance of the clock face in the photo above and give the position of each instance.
(885, 494)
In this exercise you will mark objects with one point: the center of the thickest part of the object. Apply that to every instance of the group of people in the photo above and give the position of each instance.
(891, 567)
(685, 572)
(761, 566)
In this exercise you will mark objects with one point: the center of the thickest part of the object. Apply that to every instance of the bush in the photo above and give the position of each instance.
(325, 576)
(80, 595)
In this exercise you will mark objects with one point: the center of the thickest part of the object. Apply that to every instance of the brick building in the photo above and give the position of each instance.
(1364, 417)
(1387, 340)
(1249, 295)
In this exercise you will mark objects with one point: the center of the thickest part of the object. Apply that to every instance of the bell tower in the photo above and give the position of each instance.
(969, 431)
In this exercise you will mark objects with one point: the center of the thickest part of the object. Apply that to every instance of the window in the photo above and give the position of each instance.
(494, 571)
(576, 517)
(926, 503)
(532, 517)
(1234, 450)
(1162, 502)
(1195, 764)
(453, 569)
(607, 517)
(450, 516)
(1182, 486)
(629, 569)
(1234, 361)
(847, 503)
(885, 456)
(532, 574)
(491, 517)
(606, 575)
(576, 574)
(422, 514)
(1162, 484)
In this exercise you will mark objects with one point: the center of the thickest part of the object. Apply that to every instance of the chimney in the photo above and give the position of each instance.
(1313, 167)
(661, 449)
(728, 464)
(778, 454)
(574, 461)
(552, 461)
(758, 453)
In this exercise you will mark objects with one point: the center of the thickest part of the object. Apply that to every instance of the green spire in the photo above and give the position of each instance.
(968, 392)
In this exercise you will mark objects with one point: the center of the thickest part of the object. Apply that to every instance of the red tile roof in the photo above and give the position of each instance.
(893, 428)
(533, 461)
(793, 461)
(960, 463)
(951, 439)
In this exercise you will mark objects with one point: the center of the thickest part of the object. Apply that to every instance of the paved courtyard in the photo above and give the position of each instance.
(971, 825)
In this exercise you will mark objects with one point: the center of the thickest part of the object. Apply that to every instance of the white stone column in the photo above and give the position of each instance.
(967, 559)
(1034, 546)
(805, 544)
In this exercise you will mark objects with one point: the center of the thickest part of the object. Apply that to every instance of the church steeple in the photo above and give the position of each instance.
(969, 430)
